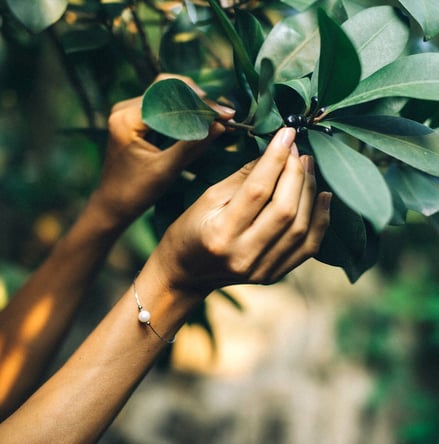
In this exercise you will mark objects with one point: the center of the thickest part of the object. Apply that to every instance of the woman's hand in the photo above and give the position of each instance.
(253, 227)
(136, 173)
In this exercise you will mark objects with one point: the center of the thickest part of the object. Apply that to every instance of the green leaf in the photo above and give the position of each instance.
(237, 44)
(349, 242)
(267, 117)
(415, 76)
(173, 109)
(293, 46)
(354, 178)
(302, 87)
(339, 66)
(299, 5)
(426, 13)
(418, 191)
(250, 31)
(37, 15)
(379, 36)
(403, 139)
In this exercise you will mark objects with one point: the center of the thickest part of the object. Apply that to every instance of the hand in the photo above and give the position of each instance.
(136, 173)
(253, 227)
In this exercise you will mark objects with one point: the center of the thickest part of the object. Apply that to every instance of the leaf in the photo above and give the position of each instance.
(403, 139)
(37, 15)
(339, 66)
(354, 178)
(418, 191)
(293, 46)
(250, 31)
(267, 117)
(426, 13)
(379, 36)
(237, 44)
(415, 76)
(302, 88)
(349, 242)
(299, 5)
(173, 109)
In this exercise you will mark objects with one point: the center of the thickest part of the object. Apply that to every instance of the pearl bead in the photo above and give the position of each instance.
(144, 316)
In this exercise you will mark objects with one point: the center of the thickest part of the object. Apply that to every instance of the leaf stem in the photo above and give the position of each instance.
(237, 125)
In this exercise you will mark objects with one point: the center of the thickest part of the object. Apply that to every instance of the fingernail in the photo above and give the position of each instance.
(287, 135)
(294, 151)
(326, 200)
(227, 110)
(309, 164)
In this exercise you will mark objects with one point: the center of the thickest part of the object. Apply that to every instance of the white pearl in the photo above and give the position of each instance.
(144, 316)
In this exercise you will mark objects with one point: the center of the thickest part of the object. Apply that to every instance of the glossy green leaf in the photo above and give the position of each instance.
(403, 139)
(426, 13)
(303, 88)
(349, 242)
(354, 178)
(339, 66)
(293, 46)
(379, 36)
(267, 117)
(418, 191)
(38, 15)
(237, 45)
(415, 76)
(173, 109)
(250, 31)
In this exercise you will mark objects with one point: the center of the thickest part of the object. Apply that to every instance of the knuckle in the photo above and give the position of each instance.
(240, 265)
(258, 192)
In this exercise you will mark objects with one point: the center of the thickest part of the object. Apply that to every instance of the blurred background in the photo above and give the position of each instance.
(312, 359)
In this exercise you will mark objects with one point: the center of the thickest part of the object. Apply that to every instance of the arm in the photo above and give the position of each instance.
(135, 174)
(282, 226)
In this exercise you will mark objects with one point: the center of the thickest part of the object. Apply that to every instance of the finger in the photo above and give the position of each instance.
(310, 245)
(224, 112)
(260, 184)
(280, 214)
(135, 101)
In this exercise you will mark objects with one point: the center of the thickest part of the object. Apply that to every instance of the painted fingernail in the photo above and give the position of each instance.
(326, 200)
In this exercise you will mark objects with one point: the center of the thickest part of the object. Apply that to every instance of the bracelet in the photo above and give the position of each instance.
(144, 316)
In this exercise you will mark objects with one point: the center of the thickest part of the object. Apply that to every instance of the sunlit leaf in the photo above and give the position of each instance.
(403, 139)
(38, 15)
(173, 109)
(379, 36)
(293, 46)
(415, 76)
(339, 66)
(426, 13)
(354, 178)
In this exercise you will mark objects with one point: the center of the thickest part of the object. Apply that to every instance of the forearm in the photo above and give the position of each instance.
(81, 399)
(39, 314)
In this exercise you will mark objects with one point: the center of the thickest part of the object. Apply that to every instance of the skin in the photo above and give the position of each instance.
(214, 243)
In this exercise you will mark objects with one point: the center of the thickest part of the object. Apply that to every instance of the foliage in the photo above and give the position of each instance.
(358, 79)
